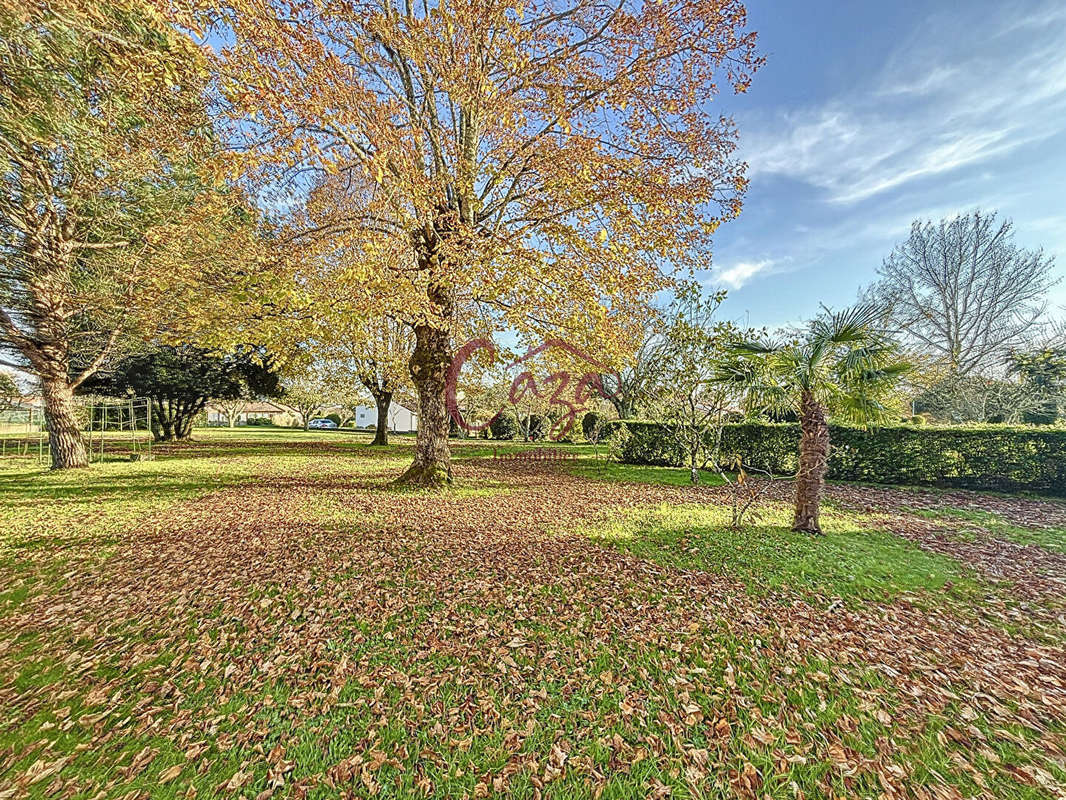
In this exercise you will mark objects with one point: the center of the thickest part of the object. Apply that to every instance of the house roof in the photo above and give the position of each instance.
(406, 401)
(407, 406)
(254, 407)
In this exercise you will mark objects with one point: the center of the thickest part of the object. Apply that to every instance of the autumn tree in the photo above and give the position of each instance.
(544, 160)
(103, 136)
(374, 351)
(962, 292)
(307, 389)
(380, 356)
(233, 408)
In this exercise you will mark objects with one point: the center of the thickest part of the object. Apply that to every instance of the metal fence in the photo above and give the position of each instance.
(114, 429)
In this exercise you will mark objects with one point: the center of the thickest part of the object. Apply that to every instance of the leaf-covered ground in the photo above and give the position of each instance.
(265, 617)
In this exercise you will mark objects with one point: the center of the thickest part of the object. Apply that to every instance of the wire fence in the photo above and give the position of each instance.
(113, 429)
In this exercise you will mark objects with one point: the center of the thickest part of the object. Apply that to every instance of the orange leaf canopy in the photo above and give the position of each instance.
(548, 162)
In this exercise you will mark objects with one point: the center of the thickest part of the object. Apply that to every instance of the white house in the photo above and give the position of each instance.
(401, 418)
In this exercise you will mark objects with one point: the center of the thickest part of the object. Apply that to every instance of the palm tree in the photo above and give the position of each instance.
(839, 364)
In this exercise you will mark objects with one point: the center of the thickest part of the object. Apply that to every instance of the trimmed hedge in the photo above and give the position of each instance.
(991, 458)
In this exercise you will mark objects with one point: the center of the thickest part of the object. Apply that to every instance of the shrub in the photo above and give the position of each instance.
(1046, 414)
(505, 426)
(618, 438)
(334, 418)
(592, 426)
(537, 426)
(978, 457)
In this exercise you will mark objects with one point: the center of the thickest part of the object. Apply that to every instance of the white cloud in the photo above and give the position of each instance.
(940, 103)
(932, 81)
(740, 273)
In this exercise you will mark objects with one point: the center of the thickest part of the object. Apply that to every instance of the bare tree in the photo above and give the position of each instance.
(962, 292)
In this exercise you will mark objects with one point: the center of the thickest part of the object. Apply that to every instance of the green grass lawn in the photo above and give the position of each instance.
(852, 560)
(603, 470)
(258, 613)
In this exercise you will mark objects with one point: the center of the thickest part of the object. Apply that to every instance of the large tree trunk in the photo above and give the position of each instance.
(813, 457)
(157, 420)
(163, 420)
(429, 372)
(624, 405)
(171, 420)
(64, 434)
(183, 423)
(383, 400)
(431, 360)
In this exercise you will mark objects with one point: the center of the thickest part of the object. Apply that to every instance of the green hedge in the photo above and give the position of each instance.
(993, 458)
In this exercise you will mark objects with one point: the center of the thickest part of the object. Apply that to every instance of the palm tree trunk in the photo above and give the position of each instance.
(813, 457)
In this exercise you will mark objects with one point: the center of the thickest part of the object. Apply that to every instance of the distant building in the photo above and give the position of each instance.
(401, 418)
(274, 413)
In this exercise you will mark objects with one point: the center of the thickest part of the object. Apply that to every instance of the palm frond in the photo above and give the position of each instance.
(849, 326)
(755, 347)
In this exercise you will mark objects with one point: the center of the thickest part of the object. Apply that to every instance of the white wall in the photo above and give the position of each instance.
(401, 419)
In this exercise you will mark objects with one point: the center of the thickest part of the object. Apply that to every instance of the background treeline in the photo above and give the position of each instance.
(998, 458)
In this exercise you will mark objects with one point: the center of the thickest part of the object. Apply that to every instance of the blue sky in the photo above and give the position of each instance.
(870, 114)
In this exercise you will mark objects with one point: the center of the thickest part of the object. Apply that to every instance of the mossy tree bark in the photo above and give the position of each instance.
(429, 371)
(431, 359)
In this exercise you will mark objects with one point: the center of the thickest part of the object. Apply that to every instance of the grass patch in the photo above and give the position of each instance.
(850, 561)
(603, 470)
(365, 671)
(974, 520)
